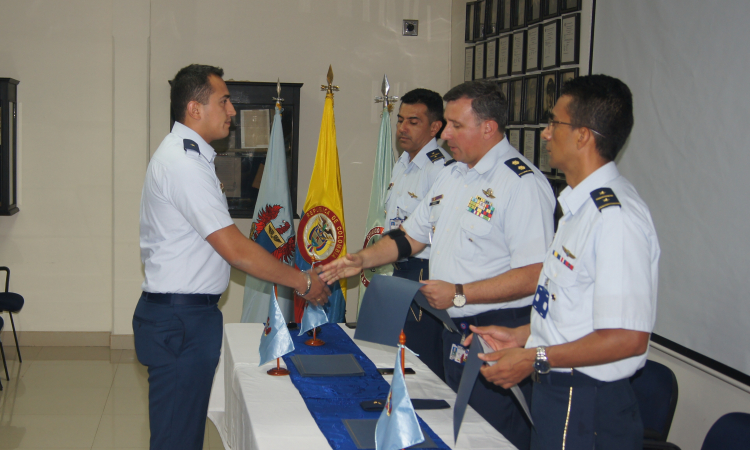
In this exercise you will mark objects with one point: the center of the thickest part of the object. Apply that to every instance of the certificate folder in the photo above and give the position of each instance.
(327, 365)
(362, 432)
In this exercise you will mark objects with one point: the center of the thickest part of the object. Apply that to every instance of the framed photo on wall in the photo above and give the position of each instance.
(505, 89)
(515, 138)
(505, 10)
(515, 116)
(548, 95)
(490, 59)
(518, 54)
(570, 5)
(480, 19)
(519, 14)
(479, 61)
(530, 139)
(550, 46)
(533, 11)
(493, 18)
(469, 33)
(504, 47)
(531, 99)
(543, 160)
(551, 8)
(570, 31)
(469, 64)
(534, 48)
(566, 75)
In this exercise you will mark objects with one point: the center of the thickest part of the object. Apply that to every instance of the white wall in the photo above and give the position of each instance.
(95, 103)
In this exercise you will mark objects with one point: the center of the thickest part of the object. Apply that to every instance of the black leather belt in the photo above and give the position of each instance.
(573, 378)
(181, 299)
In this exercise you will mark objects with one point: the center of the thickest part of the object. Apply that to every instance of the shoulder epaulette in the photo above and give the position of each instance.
(448, 163)
(519, 167)
(604, 197)
(190, 145)
(435, 155)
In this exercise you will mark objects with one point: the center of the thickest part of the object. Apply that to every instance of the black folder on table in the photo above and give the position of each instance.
(362, 432)
(328, 365)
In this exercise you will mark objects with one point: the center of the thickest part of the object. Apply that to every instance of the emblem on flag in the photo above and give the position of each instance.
(481, 207)
(371, 238)
(269, 237)
(322, 235)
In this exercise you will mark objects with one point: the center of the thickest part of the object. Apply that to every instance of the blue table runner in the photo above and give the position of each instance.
(331, 399)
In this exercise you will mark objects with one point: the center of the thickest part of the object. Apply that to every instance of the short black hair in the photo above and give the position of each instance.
(604, 104)
(191, 83)
(487, 100)
(430, 99)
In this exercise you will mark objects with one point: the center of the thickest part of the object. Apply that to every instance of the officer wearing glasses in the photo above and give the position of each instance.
(595, 303)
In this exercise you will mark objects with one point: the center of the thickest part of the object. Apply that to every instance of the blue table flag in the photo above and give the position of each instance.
(276, 340)
(314, 316)
(398, 426)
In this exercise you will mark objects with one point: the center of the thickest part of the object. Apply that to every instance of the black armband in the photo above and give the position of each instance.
(402, 243)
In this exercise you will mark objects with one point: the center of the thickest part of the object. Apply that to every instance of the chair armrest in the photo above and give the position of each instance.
(649, 444)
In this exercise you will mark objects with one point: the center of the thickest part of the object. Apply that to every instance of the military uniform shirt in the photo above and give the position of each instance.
(487, 220)
(181, 205)
(409, 184)
(601, 270)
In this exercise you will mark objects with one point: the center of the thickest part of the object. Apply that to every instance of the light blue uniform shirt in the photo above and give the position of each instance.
(467, 247)
(409, 184)
(610, 279)
(181, 205)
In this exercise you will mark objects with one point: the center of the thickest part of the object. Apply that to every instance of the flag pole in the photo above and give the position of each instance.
(277, 371)
(314, 342)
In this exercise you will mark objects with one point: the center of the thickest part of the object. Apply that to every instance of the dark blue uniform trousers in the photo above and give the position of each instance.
(498, 406)
(180, 345)
(423, 330)
(573, 410)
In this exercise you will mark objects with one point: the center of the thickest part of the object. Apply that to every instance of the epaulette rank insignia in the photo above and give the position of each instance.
(435, 155)
(448, 163)
(518, 166)
(190, 145)
(604, 197)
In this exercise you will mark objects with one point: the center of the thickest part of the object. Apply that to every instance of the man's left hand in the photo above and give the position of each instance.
(512, 366)
(438, 293)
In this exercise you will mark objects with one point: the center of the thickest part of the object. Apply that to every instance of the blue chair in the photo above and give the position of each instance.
(11, 302)
(731, 431)
(655, 387)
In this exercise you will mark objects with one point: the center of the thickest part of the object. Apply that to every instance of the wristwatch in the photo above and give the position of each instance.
(541, 364)
(459, 300)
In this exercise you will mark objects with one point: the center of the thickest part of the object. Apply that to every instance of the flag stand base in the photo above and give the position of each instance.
(315, 342)
(277, 372)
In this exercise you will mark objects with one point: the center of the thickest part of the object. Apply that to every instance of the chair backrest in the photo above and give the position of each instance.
(7, 276)
(655, 387)
(729, 432)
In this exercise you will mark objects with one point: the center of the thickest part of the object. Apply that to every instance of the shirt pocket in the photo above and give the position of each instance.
(474, 234)
(407, 205)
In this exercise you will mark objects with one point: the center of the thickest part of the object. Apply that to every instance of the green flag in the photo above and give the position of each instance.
(384, 162)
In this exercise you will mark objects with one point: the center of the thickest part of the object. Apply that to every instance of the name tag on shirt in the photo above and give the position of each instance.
(541, 301)
(459, 354)
(395, 223)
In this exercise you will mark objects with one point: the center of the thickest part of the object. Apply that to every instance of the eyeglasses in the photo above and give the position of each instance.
(552, 123)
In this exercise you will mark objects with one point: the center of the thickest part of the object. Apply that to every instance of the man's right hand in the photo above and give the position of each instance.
(345, 267)
(319, 291)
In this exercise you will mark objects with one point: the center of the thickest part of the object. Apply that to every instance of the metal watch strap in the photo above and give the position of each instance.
(309, 284)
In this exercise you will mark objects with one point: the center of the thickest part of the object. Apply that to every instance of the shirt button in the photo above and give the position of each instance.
(465, 185)
(472, 226)
(447, 229)
(456, 208)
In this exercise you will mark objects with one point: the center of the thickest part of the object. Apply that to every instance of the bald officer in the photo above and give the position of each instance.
(420, 119)
(188, 242)
(489, 219)
(595, 305)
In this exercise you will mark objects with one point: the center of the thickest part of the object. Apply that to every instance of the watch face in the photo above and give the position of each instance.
(541, 367)
(459, 300)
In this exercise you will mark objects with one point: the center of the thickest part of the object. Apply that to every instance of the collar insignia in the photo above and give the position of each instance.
(190, 145)
(518, 167)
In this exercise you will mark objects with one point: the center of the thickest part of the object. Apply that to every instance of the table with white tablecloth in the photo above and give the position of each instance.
(253, 410)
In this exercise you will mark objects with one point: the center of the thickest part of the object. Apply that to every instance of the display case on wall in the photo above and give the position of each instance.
(8, 146)
(241, 156)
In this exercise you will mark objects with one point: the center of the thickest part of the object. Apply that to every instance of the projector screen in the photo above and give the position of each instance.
(687, 63)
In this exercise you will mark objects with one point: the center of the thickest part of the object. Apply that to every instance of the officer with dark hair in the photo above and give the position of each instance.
(420, 120)
(489, 220)
(188, 243)
(595, 303)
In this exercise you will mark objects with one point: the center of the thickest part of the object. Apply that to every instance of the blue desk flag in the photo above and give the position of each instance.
(398, 426)
(276, 340)
(314, 316)
(272, 229)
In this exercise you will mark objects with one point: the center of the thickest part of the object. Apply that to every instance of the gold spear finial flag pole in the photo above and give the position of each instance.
(386, 99)
(278, 93)
(330, 88)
